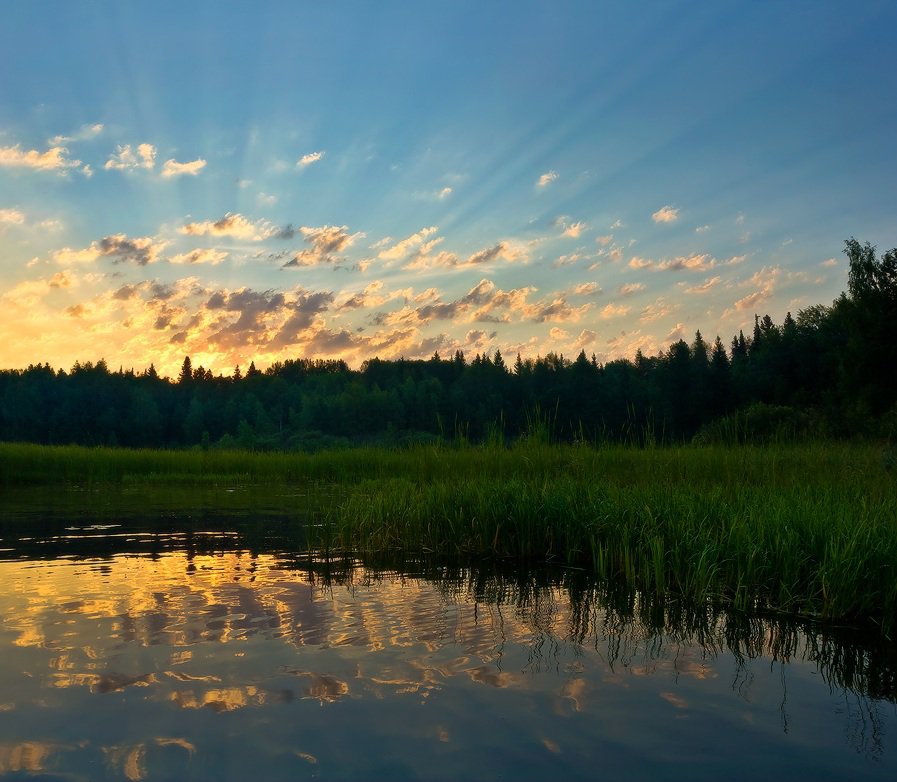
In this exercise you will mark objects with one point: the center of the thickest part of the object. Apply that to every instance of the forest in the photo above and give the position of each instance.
(826, 373)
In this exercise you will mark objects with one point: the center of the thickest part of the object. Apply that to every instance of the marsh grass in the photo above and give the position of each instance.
(809, 529)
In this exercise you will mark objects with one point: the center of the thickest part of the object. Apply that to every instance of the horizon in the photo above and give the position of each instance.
(237, 184)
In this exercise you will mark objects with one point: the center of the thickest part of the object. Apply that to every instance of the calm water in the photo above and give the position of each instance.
(209, 651)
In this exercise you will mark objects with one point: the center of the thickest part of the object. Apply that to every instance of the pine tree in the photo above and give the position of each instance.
(186, 375)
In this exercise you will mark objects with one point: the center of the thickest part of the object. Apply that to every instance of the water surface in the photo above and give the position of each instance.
(192, 650)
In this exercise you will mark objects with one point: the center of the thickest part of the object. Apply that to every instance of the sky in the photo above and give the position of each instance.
(239, 182)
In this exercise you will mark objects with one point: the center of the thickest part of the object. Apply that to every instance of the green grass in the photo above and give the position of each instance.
(808, 529)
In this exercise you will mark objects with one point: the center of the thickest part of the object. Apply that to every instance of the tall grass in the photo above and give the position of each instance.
(808, 529)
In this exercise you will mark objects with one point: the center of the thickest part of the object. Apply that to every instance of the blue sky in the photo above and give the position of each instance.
(360, 179)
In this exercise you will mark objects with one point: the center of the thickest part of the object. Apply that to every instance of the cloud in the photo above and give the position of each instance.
(666, 214)
(566, 260)
(629, 288)
(232, 224)
(209, 256)
(124, 158)
(557, 333)
(485, 303)
(676, 333)
(368, 297)
(118, 247)
(605, 240)
(401, 248)
(659, 309)
(702, 229)
(444, 193)
(586, 337)
(85, 133)
(172, 168)
(54, 159)
(504, 250)
(11, 217)
(614, 311)
(303, 314)
(325, 241)
(765, 281)
(694, 262)
(705, 286)
(829, 262)
(587, 289)
(310, 158)
(547, 178)
(572, 230)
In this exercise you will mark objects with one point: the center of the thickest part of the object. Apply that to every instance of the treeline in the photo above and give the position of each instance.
(829, 372)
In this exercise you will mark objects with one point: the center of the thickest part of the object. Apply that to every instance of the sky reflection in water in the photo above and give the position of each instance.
(234, 665)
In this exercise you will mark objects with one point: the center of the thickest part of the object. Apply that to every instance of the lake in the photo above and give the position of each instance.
(211, 647)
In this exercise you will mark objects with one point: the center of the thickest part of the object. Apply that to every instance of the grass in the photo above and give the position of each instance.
(809, 529)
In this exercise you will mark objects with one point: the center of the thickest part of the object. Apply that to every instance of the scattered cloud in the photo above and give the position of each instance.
(85, 133)
(125, 158)
(676, 333)
(310, 158)
(567, 260)
(614, 311)
(505, 250)
(232, 224)
(829, 262)
(666, 214)
(705, 286)
(209, 256)
(325, 241)
(401, 248)
(659, 309)
(702, 229)
(640, 263)
(172, 168)
(119, 247)
(587, 289)
(630, 288)
(11, 217)
(572, 230)
(693, 262)
(547, 178)
(605, 240)
(54, 159)
(586, 337)
(557, 333)
(764, 281)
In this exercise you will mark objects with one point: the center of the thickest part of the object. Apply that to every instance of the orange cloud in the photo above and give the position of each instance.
(666, 214)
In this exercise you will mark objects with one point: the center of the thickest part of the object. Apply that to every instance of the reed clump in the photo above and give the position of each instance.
(807, 529)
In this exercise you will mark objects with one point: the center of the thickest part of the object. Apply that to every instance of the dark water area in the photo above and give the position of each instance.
(209, 645)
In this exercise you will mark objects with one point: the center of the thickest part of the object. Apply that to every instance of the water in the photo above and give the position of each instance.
(212, 649)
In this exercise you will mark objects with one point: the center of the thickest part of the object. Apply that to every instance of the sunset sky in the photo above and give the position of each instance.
(240, 181)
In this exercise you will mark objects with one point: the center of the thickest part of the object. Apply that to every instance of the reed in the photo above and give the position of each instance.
(809, 529)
